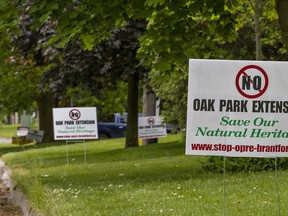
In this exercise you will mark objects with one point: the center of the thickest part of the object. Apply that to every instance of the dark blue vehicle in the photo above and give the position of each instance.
(114, 129)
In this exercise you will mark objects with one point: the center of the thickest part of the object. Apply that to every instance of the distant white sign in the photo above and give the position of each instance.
(22, 131)
(75, 123)
(36, 135)
(151, 127)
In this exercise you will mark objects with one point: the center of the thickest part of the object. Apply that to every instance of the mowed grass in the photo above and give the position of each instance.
(8, 131)
(147, 180)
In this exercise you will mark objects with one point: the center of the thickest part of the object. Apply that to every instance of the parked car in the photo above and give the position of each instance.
(114, 129)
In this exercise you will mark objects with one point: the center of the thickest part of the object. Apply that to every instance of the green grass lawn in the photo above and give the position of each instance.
(147, 180)
(7, 131)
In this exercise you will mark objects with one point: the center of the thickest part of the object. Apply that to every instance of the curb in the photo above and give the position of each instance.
(15, 195)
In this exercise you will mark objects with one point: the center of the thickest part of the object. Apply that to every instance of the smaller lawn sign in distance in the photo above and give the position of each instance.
(36, 135)
(151, 127)
(22, 131)
(237, 108)
(75, 123)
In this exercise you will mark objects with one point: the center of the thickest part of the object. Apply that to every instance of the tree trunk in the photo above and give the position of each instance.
(149, 107)
(132, 109)
(258, 31)
(282, 10)
(46, 102)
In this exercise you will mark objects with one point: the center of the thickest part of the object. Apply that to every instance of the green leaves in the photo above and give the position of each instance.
(154, 3)
(176, 31)
(88, 40)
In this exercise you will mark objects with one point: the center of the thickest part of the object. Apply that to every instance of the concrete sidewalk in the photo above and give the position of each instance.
(5, 140)
(15, 196)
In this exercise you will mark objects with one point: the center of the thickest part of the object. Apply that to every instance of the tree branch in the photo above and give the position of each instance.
(282, 8)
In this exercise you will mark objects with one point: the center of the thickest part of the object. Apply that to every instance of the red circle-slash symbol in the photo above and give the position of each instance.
(243, 73)
(151, 121)
(74, 114)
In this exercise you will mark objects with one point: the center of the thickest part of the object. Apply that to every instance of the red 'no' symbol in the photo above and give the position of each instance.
(251, 86)
(151, 121)
(74, 114)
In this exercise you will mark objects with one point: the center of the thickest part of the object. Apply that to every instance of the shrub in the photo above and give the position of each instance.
(237, 164)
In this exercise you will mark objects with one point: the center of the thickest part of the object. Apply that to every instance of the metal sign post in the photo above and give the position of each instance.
(224, 186)
(67, 151)
(277, 188)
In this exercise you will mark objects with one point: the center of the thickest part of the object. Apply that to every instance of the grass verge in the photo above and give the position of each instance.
(7, 131)
(148, 180)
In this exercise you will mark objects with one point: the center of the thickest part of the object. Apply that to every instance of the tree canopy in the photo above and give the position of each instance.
(96, 44)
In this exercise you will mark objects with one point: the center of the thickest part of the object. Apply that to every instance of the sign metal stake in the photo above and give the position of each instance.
(224, 185)
(277, 187)
(67, 153)
(84, 151)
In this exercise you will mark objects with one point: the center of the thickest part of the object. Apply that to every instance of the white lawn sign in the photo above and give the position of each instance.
(151, 127)
(75, 123)
(237, 108)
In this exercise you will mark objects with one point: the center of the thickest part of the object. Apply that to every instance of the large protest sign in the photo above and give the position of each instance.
(75, 123)
(237, 108)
